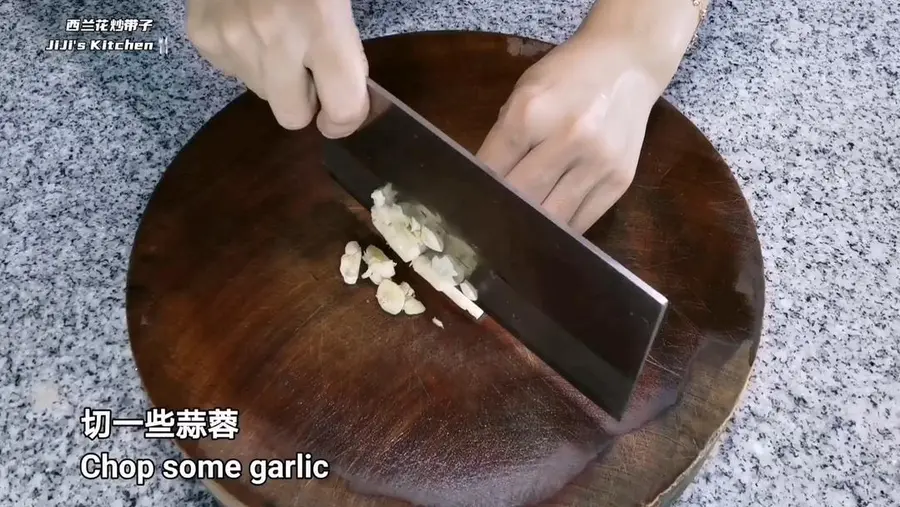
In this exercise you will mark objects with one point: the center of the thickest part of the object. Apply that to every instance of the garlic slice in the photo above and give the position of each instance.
(350, 266)
(437, 322)
(384, 196)
(352, 247)
(373, 253)
(424, 268)
(468, 290)
(413, 306)
(443, 266)
(378, 198)
(407, 289)
(390, 297)
(446, 285)
(463, 302)
(431, 240)
(380, 267)
(397, 217)
(378, 271)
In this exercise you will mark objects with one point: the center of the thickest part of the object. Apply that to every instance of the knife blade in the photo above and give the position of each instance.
(576, 308)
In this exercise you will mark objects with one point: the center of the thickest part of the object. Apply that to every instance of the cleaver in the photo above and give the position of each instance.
(577, 309)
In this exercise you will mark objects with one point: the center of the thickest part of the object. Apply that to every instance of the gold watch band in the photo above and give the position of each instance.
(704, 8)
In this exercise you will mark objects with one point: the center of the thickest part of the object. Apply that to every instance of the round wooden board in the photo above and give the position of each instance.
(234, 300)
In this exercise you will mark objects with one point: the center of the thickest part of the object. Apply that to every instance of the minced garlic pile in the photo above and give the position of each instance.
(418, 244)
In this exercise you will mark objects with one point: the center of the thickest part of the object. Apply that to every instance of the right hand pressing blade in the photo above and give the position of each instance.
(293, 53)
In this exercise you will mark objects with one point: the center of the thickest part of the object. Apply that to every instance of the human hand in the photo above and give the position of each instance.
(292, 53)
(570, 135)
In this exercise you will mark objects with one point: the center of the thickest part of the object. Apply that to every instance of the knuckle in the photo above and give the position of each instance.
(263, 28)
(525, 112)
(235, 33)
(263, 22)
(585, 132)
(528, 105)
(202, 34)
(597, 141)
(621, 178)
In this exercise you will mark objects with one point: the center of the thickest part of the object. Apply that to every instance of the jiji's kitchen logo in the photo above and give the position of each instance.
(108, 27)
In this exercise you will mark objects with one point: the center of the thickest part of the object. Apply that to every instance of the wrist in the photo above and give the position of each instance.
(654, 36)
(623, 60)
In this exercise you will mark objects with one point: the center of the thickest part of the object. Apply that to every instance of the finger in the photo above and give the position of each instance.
(615, 154)
(540, 170)
(572, 189)
(341, 84)
(502, 149)
(339, 70)
(290, 90)
(603, 196)
(527, 118)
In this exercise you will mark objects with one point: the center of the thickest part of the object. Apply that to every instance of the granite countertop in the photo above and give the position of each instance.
(801, 98)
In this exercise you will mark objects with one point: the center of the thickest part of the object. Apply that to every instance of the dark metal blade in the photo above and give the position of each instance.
(575, 307)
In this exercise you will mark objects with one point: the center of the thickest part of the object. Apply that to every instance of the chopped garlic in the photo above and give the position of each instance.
(465, 260)
(410, 230)
(383, 269)
(437, 322)
(407, 289)
(390, 296)
(390, 214)
(397, 217)
(379, 266)
(350, 267)
(413, 306)
(380, 215)
(403, 242)
(444, 267)
(351, 248)
(378, 198)
(463, 302)
(431, 240)
(446, 285)
(374, 253)
(390, 195)
(468, 290)
(384, 196)
(424, 268)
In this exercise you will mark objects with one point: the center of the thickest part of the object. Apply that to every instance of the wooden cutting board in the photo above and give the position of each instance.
(234, 300)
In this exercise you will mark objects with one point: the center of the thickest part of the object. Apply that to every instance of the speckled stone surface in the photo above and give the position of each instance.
(801, 98)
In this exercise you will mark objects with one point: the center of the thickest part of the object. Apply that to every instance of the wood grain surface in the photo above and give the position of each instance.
(234, 300)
